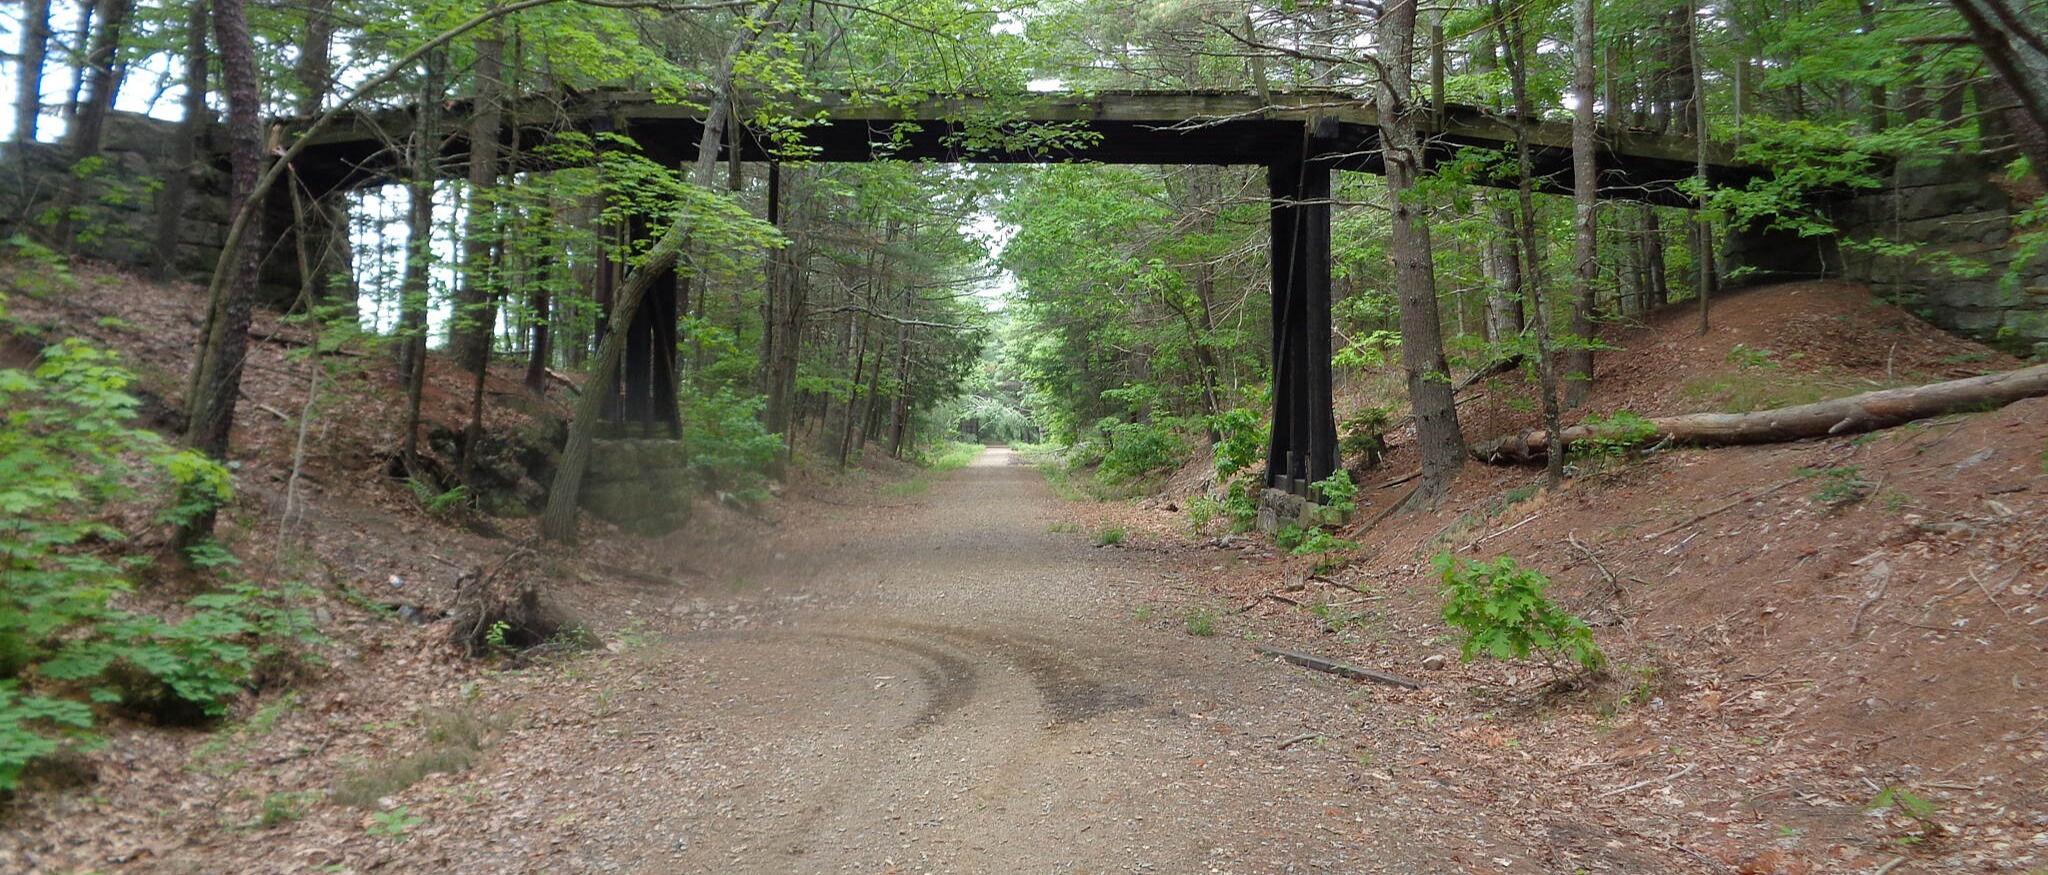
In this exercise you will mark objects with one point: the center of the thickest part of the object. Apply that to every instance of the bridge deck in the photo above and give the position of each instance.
(1110, 127)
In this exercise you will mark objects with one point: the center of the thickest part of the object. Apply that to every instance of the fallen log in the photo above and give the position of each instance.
(1857, 413)
(1340, 669)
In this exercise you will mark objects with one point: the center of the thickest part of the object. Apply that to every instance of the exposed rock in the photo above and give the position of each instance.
(641, 486)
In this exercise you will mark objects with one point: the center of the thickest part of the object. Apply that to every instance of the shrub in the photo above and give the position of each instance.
(1238, 456)
(1365, 436)
(1316, 541)
(67, 455)
(1244, 437)
(729, 449)
(1339, 497)
(1743, 355)
(1137, 449)
(1839, 486)
(1615, 435)
(1504, 614)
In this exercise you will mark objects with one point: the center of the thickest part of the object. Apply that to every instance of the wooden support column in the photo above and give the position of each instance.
(1283, 181)
(1304, 442)
(642, 399)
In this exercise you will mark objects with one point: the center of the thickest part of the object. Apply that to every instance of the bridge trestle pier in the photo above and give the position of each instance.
(1303, 448)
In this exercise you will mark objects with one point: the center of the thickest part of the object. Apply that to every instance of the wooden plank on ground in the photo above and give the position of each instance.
(1340, 669)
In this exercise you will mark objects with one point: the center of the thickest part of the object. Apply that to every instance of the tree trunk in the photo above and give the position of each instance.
(326, 228)
(1703, 230)
(1578, 374)
(1505, 317)
(1657, 289)
(217, 372)
(1531, 271)
(315, 66)
(1875, 108)
(35, 46)
(81, 41)
(177, 191)
(1858, 413)
(2010, 34)
(1422, 346)
(475, 322)
(558, 521)
(100, 84)
(860, 361)
(784, 328)
(899, 410)
(1504, 311)
(538, 305)
(413, 289)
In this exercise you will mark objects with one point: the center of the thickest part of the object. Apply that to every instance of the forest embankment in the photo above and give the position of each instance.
(1795, 629)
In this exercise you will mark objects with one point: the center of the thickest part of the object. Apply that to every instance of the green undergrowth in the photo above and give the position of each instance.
(78, 482)
(1750, 390)
(1504, 613)
(949, 456)
(1115, 460)
(452, 738)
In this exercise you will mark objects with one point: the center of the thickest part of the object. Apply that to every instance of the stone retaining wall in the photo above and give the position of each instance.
(117, 217)
(641, 486)
(1956, 209)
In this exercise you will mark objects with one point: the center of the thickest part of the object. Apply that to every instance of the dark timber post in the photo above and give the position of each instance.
(1304, 445)
(642, 399)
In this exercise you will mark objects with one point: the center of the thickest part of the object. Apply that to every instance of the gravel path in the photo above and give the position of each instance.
(942, 687)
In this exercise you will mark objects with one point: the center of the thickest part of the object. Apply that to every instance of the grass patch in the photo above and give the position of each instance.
(1201, 621)
(917, 485)
(1110, 537)
(455, 737)
(280, 808)
(953, 454)
(1060, 480)
(947, 457)
(225, 754)
(1750, 390)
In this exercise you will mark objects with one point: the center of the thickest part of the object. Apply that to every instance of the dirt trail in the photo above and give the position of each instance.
(940, 687)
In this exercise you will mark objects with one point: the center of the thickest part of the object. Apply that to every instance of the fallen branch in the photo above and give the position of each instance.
(1717, 509)
(1856, 622)
(1857, 413)
(1385, 512)
(1340, 669)
(1297, 740)
(1573, 539)
(1641, 784)
(1401, 479)
(1475, 544)
(1493, 369)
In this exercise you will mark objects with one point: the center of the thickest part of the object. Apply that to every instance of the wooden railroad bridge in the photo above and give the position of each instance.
(1299, 137)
